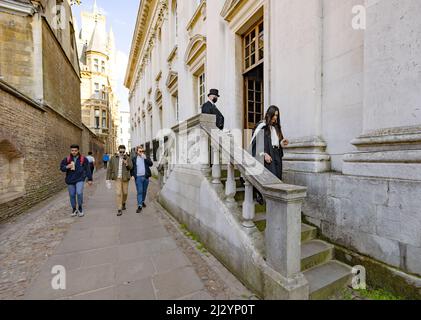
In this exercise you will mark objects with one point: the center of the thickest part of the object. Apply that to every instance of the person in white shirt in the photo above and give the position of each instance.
(119, 171)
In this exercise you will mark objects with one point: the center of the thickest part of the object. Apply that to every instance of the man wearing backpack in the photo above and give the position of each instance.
(77, 169)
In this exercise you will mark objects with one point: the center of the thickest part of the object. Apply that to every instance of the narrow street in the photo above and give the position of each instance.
(144, 256)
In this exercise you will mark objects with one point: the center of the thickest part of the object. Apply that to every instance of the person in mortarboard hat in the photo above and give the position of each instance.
(210, 108)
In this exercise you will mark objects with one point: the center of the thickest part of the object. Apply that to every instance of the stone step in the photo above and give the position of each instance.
(327, 279)
(315, 252)
(238, 182)
(259, 209)
(308, 233)
(224, 174)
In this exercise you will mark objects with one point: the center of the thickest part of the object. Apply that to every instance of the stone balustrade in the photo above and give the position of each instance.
(283, 202)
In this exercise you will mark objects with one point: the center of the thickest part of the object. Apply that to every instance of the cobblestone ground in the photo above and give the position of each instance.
(30, 242)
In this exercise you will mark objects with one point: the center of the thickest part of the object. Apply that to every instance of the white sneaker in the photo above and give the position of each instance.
(75, 213)
(81, 214)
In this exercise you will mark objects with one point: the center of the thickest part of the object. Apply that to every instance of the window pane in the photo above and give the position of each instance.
(261, 55)
(251, 95)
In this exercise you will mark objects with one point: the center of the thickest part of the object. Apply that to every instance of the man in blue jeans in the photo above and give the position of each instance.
(77, 169)
(141, 172)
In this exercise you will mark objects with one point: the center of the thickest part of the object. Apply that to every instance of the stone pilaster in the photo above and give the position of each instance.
(390, 145)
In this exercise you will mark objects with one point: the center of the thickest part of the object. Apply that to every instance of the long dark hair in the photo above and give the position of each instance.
(269, 116)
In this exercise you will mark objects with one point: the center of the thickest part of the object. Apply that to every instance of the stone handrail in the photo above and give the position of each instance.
(283, 201)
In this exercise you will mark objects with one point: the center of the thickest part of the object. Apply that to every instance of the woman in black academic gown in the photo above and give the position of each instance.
(268, 142)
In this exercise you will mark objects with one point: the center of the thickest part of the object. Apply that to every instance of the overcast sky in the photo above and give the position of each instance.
(121, 16)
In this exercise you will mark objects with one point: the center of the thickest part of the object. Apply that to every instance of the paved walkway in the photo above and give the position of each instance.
(132, 257)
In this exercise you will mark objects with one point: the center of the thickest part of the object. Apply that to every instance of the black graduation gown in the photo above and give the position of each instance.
(209, 108)
(264, 138)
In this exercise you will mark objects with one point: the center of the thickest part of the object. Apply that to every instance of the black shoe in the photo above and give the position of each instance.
(139, 210)
(124, 207)
(120, 213)
(144, 205)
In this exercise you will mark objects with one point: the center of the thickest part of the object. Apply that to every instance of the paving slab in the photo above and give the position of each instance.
(134, 256)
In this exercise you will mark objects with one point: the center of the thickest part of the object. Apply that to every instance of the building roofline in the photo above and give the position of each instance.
(138, 39)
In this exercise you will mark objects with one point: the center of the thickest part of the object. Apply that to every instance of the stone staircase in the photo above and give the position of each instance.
(325, 275)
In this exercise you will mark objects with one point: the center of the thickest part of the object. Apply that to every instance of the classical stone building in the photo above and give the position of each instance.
(39, 101)
(347, 78)
(124, 133)
(97, 62)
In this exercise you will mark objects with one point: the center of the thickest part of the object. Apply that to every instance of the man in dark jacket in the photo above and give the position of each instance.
(210, 108)
(141, 172)
(77, 169)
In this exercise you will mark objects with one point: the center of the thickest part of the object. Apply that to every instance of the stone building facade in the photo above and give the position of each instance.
(347, 78)
(97, 58)
(40, 107)
(124, 133)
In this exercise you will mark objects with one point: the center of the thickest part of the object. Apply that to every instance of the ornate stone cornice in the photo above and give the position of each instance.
(145, 36)
(230, 7)
(172, 54)
(200, 12)
(17, 7)
(196, 46)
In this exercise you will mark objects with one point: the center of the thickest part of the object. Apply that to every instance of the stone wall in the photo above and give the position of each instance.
(42, 138)
(17, 51)
(191, 198)
(379, 218)
(90, 142)
(61, 82)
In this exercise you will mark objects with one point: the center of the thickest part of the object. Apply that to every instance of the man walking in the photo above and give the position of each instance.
(119, 171)
(210, 108)
(141, 172)
(77, 169)
(105, 159)
(91, 160)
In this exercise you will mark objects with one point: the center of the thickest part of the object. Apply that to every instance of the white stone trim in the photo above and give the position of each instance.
(17, 8)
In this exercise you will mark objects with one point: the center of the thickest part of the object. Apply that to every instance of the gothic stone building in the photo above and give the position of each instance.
(40, 111)
(97, 62)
